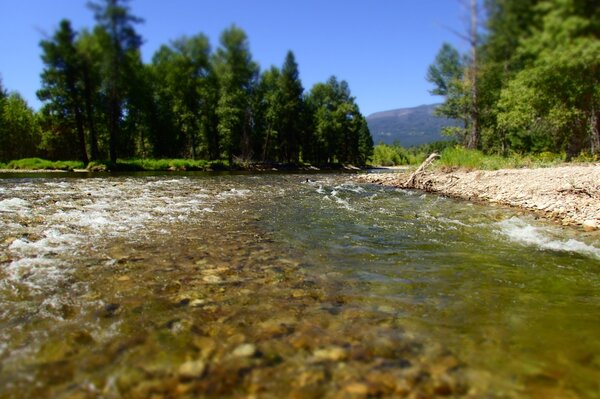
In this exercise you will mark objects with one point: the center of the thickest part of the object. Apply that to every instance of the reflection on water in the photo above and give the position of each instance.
(287, 286)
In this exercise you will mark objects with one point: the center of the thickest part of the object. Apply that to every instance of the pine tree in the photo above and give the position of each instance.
(184, 69)
(269, 104)
(292, 107)
(341, 134)
(62, 83)
(114, 17)
(237, 75)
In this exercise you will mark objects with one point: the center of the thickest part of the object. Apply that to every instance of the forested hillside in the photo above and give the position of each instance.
(408, 126)
(102, 102)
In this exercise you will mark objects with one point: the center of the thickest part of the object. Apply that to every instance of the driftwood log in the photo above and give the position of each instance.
(412, 179)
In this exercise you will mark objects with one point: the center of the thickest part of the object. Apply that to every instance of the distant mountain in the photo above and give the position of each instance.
(408, 126)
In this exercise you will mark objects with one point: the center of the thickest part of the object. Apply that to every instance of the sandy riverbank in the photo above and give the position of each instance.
(569, 195)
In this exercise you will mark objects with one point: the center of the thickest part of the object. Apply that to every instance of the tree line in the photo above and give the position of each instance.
(530, 81)
(101, 101)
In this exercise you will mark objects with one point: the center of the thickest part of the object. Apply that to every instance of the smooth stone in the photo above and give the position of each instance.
(334, 354)
(212, 279)
(192, 369)
(590, 225)
(311, 377)
(357, 388)
(197, 302)
(244, 350)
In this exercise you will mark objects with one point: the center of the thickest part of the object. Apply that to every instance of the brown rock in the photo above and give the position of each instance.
(590, 225)
(192, 369)
(334, 354)
(357, 388)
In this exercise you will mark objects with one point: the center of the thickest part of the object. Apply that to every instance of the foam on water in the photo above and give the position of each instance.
(350, 187)
(17, 205)
(234, 193)
(62, 217)
(520, 231)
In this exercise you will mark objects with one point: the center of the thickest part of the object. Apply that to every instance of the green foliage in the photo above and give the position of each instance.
(388, 155)
(537, 80)
(43, 164)
(446, 70)
(456, 156)
(101, 100)
(396, 155)
(137, 164)
(120, 49)
(184, 69)
(447, 73)
(62, 86)
(292, 108)
(557, 92)
(474, 159)
(237, 74)
(341, 134)
(269, 112)
(19, 128)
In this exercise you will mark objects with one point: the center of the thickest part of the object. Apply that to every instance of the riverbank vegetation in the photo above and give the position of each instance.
(527, 91)
(41, 164)
(530, 80)
(102, 102)
(453, 155)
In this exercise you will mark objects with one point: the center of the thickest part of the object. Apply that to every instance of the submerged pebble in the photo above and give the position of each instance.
(245, 350)
(192, 369)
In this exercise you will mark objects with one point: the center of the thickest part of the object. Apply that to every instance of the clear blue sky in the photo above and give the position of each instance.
(381, 47)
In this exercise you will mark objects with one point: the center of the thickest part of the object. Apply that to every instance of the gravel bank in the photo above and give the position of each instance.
(569, 195)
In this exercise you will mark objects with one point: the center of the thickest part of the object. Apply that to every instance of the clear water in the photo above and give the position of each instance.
(287, 285)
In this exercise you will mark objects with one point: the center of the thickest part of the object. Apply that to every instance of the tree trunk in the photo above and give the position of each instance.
(266, 146)
(89, 111)
(81, 136)
(193, 140)
(75, 100)
(473, 140)
(595, 131)
(113, 127)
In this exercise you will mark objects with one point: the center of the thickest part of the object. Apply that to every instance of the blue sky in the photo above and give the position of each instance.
(381, 47)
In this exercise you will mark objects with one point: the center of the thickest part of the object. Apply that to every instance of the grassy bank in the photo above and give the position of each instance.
(41, 164)
(121, 165)
(454, 156)
(159, 165)
(138, 165)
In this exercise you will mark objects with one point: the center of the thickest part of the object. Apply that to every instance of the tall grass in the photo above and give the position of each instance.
(453, 155)
(473, 159)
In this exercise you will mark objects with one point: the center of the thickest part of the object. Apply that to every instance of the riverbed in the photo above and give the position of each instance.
(286, 285)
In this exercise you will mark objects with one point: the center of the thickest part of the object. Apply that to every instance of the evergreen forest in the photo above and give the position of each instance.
(101, 102)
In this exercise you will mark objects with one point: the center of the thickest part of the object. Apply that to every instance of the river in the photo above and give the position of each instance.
(286, 285)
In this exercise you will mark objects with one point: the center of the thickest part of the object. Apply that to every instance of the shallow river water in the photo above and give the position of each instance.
(301, 286)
